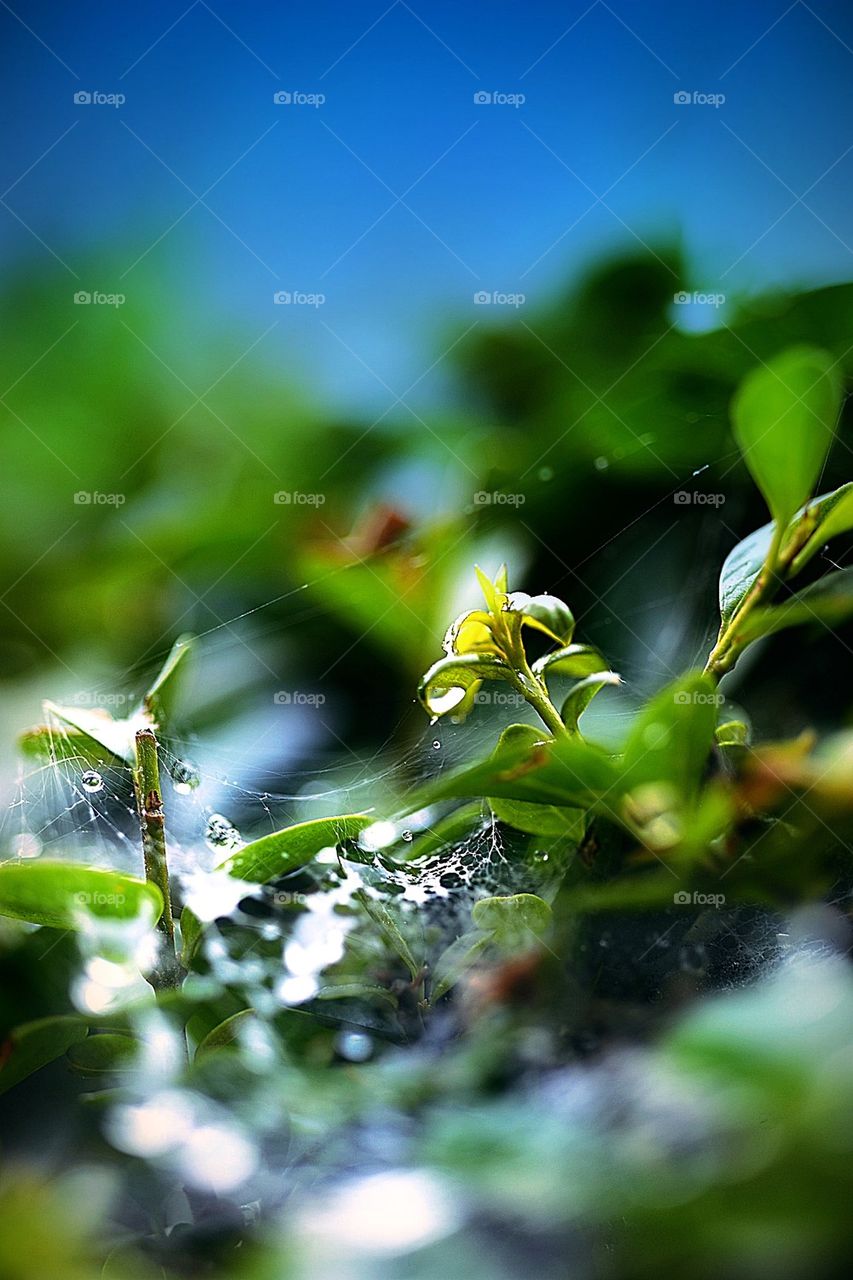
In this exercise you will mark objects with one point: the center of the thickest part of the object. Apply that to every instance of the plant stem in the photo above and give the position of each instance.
(149, 804)
(726, 651)
(531, 689)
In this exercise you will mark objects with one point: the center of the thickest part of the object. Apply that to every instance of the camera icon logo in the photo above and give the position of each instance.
(282, 698)
(482, 98)
(682, 898)
(681, 98)
(682, 698)
(681, 297)
(82, 298)
(282, 98)
(483, 298)
(82, 98)
(282, 298)
(283, 498)
(82, 499)
(681, 498)
(482, 498)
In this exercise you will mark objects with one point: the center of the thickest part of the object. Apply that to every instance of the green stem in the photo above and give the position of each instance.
(149, 804)
(726, 651)
(531, 689)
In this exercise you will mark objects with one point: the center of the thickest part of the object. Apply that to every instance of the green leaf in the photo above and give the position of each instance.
(456, 960)
(813, 525)
(490, 589)
(225, 1035)
(510, 920)
(389, 929)
(671, 738)
(535, 819)
(34, 1045)
(282, 851)
(574, 660)
(741, 567)
(162, 698)
(444, 687)
(784, 417)
(828, 601)
(582, 695)
(545, 613)
(103, 1054)
(192, 930)
(569, 771)
(61, 894)
(71, 746)
(357, 991)
(832, 514)
(115, 737)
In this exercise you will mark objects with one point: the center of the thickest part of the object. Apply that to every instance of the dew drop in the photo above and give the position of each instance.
(355, 1046)
(436, 746)
(26, 845)
(407, 836)
(185, 777)
(220, 833)
(91, 781)
(601, 464)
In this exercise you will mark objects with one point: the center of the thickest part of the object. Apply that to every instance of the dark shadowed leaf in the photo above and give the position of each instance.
(34, 1045)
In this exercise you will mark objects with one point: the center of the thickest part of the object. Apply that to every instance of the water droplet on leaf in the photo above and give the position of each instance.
(220, 833)
(355, 1046)
(436, 745)
(91, 781)
(185, 777)
(407, 836)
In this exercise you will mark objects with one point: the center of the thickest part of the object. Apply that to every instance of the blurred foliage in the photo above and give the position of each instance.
(507, 1066)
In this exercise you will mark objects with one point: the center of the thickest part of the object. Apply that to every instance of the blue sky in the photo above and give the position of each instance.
(400, 196)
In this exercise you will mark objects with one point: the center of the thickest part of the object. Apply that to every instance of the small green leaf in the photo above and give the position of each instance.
(510, 920)
(34, 1045)
(282, 851)
(389, 929)
(741, 567)
(546, 613)
(832, 515)
(671, 738)
(162, 698)
(574, 660)
(534, 819)
(71, 746)
(784, 417)
(225, 1035)
(456, 960)
(103, 1054)
(115, 737)
(582, 694)
(828, 601)
(453, 681)
(569, 771)
(357, 991)
(192, 930)
(61, 894)
(492, 590)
